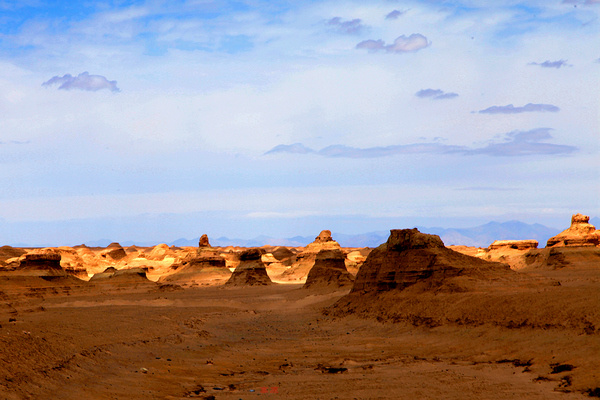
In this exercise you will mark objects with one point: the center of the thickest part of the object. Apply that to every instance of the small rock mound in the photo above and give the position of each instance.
(251, 271)
(329, 271)
(411, 258)
(126, 276)
(580, 234)
(114, 251)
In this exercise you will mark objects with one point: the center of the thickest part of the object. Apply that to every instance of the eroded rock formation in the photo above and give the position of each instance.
(581, 233)
(514, 244)
(203, 242)
(411, 258)
(42, 262)
(251, 271)
(205, 267)
(329, 271)
(307, 257)
(115, 251)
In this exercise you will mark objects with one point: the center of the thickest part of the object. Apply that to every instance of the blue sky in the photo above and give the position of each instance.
(154, 120)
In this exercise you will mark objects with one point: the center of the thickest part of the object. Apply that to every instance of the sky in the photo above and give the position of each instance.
(157, 120)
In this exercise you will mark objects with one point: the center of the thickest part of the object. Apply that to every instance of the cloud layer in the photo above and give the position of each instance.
(349, 27)
(552, 64)
(394, 14)
(510, 109)
(512, 144)
(402, 44)
(83, 81)
(436, 94)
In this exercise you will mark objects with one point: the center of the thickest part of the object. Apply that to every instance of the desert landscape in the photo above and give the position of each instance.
(410, 319)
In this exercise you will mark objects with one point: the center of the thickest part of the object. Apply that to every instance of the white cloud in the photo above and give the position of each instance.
(83, 81)
(188, 106)
(529, 107)
(402, 44)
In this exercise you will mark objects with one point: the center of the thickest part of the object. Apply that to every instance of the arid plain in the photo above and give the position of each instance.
(411, 319)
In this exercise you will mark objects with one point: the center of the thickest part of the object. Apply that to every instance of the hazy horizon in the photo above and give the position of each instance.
(150, 120)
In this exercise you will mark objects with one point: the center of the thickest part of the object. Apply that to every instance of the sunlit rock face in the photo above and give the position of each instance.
(514, 244)
(580, 234)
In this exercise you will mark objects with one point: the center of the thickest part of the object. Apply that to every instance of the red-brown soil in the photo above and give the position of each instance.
(471, 331)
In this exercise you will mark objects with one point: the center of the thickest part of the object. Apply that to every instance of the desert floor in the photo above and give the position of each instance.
(270, 342)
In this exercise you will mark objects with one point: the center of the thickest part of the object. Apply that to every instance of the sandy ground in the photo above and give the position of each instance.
(269, 342)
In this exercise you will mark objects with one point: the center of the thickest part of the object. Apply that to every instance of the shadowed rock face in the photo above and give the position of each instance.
(329, 271)
(251, 271)
(410, 257)
(41, 263)
(114, 251)
(581, 233)
(113, 275)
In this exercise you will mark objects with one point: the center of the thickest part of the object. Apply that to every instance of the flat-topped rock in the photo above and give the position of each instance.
(514, 244)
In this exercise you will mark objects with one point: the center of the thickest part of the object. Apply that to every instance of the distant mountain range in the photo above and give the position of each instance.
(478, 236)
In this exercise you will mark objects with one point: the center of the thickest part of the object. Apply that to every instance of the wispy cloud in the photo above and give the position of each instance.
(525, 143)
(584, 2)
(402, 44)
(394, 14)
(83, 81)
(348, 27)
(487, 189)
(436, 94)
(515, 143)
(14, 142)
(552, 64)
(296, 148)
(510, 109)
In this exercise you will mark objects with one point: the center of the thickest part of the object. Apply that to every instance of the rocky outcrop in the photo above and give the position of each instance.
(42, 262)
(322, 242)
(514, 244)
(307, 257)
(251, 271)
(114, 251)
(7, 252)
(580, 234)
(205, 268)
(113, 275)
(203, 242)
(159, 252)
(411, 258)
(329, 271)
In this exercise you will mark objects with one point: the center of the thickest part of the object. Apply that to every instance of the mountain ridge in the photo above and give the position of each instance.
(478, 236)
